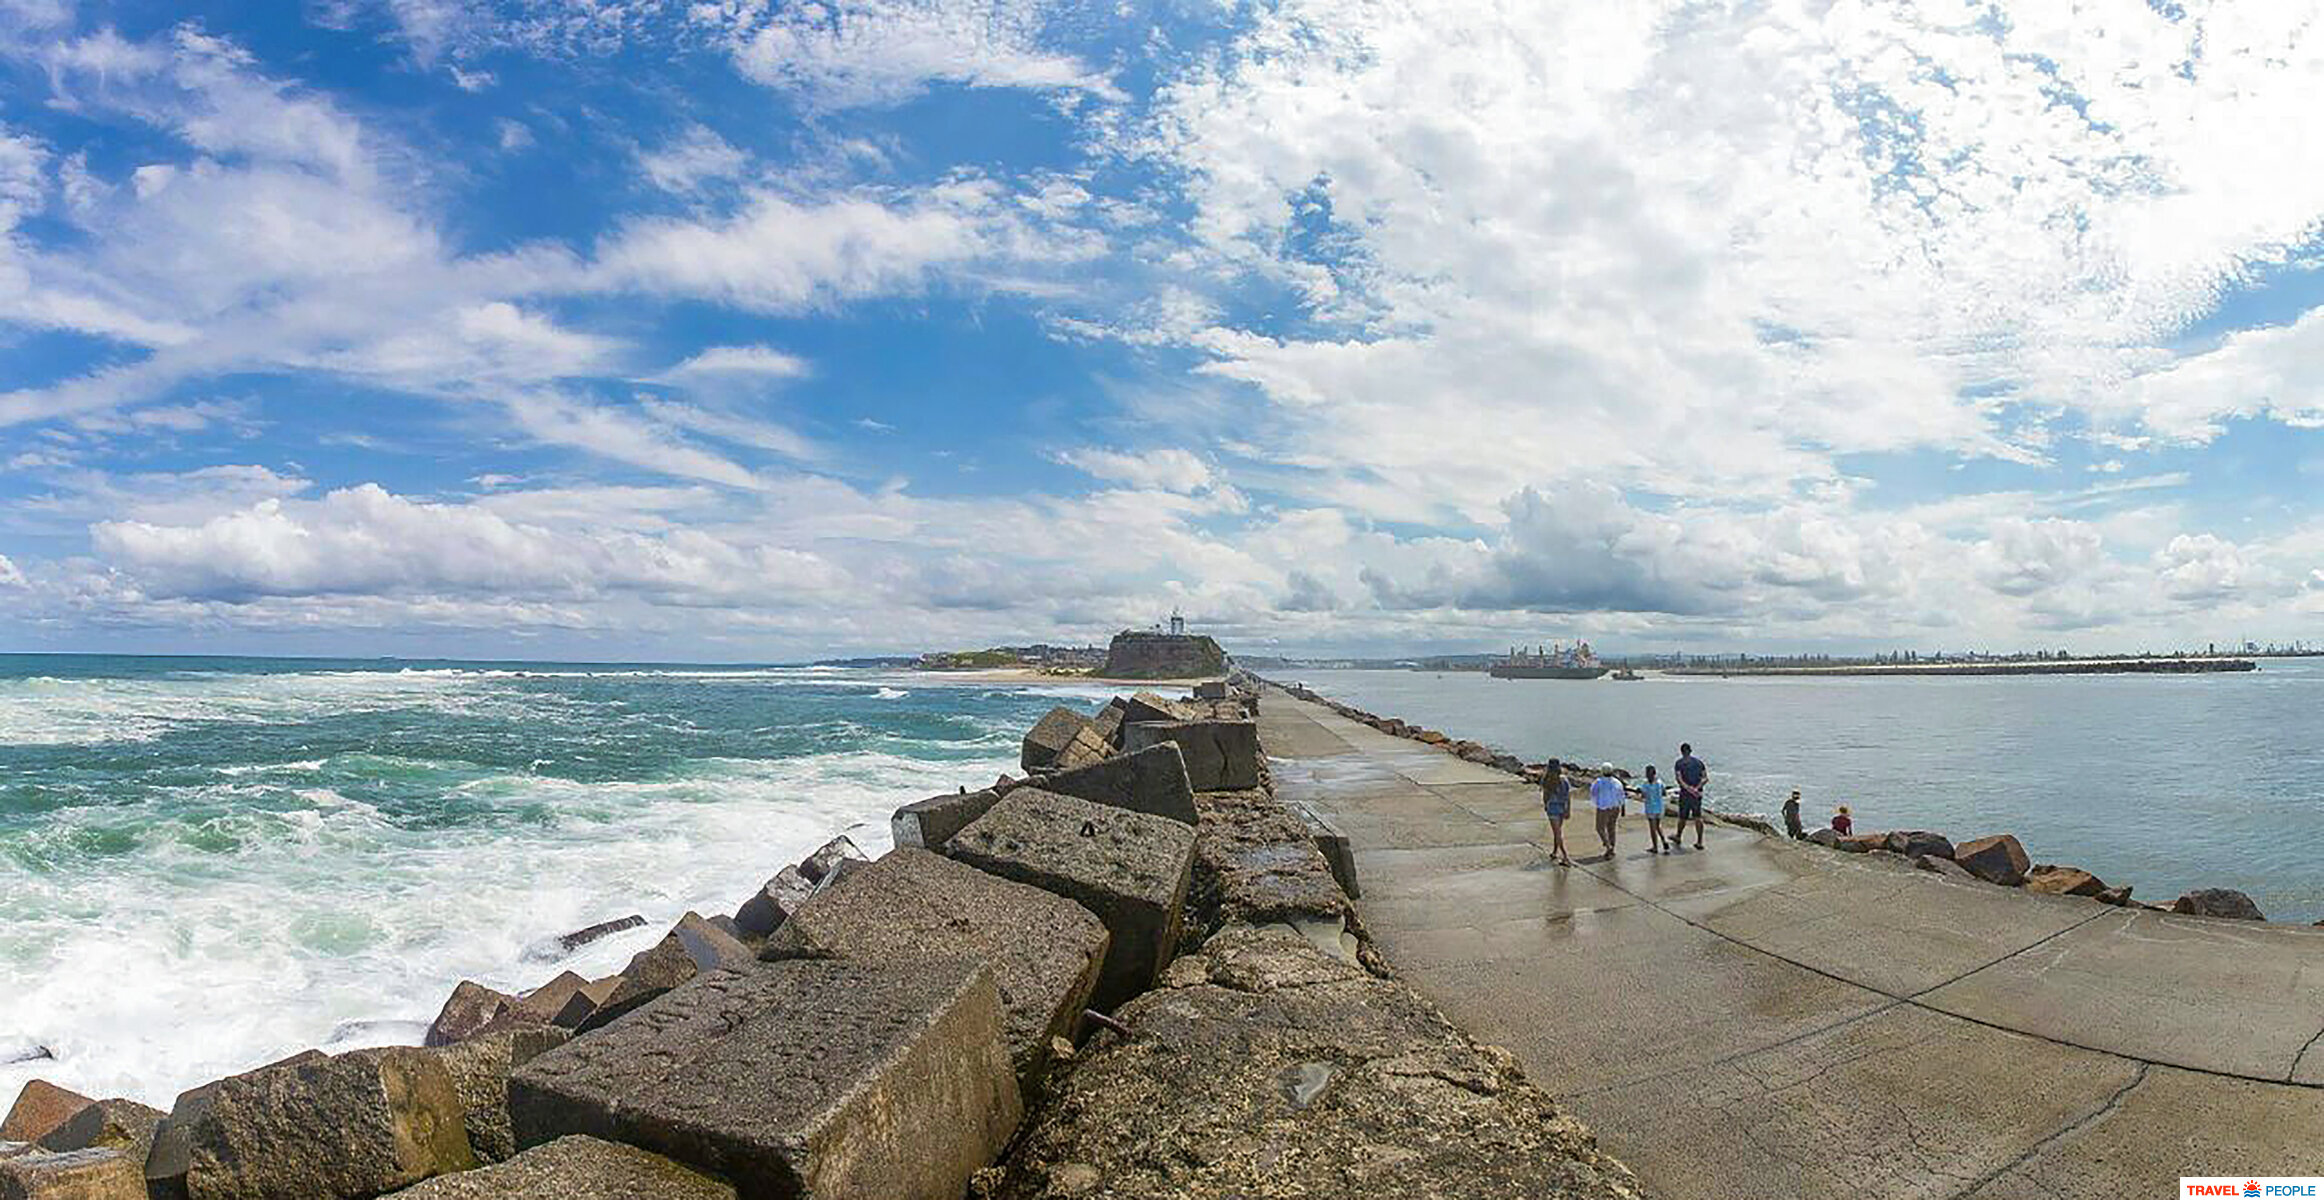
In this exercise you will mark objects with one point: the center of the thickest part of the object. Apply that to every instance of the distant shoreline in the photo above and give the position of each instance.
(2078, 666)
(1024, 675)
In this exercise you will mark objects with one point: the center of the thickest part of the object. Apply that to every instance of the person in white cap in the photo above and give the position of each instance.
(1606, 793)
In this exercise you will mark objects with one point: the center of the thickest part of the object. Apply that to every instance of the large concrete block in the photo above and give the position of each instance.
(1050, 736)
(800, 1079)
(469, 1008)
(1108, 722)
(1147, 706)
(1129, 868)
(480, 1067)
(930, 823)
(39, 1108)
(576, 1168)
(691, 947)
(115, 1124)
(1044, 950)
(72, 1175)
(829, 857)
(1333, 845)
(774, 902)
(1152, 780)
(347, 1127)
(1220, 755)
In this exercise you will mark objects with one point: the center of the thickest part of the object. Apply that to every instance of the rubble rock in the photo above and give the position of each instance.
(1271, 1069)
(1219, 755)
(2218, 902)
(1827, 837)
(115, 1124)
(576, 1168)
(72, 1175)
(1917, 843)
(1859, 843)
(1152, 780)
(775, 901)
(1131, 869)
(1050, 736)
(1998, 859)
(479, 1068)
(346, 1127)
(1942, 866)
(2063, 881)
(1044, 950)
(800, 1079)
(40, 1108)
(2117, 896)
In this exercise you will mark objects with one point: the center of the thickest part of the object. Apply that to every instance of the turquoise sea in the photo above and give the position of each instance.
(207, 863)
(2165, 783)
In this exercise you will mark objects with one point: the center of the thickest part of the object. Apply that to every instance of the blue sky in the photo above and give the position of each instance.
(746, 330)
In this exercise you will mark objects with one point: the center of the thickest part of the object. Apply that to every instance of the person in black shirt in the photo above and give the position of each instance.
(1791, 823)
(1692, 775)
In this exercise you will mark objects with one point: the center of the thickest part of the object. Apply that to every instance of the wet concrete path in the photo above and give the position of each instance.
(1763, 1018)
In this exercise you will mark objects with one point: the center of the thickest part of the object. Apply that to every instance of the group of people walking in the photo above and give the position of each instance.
(1607, 796)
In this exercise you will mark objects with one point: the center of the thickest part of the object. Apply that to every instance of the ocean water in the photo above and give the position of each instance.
(206, 864)
(2164, 783)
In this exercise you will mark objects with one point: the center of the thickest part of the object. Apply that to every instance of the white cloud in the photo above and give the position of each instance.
(750, 362)
(845, 53)
(1169, 469)
(695, 158)
(10, 576)
(2272, 371)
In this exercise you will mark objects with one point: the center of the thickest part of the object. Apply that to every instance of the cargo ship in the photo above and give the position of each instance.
(1552, 662)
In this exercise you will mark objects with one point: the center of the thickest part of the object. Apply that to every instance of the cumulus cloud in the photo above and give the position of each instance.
(848, 53)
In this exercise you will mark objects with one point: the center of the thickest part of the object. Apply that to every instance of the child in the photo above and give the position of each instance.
(1652, 791)
(1840, 822)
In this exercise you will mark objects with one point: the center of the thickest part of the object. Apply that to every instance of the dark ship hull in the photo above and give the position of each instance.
(1508, 671)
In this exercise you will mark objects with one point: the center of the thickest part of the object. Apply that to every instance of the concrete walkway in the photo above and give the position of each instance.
(1770, 1019)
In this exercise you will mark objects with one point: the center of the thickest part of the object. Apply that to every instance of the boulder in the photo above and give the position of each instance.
(2218, 902)
(1917, 843)
(1050, 736)
(346, 1127)
(2117, 896)
(576, 1168)
(2063, 881)
(479, 1068)
(827, 858)
(1131, 869)
(1942, 866)
(1044, 950)
(1827, 837)
(558, 947)
(1998, 859)
(1152, 780)
(691, 947)
(1859, 843)
(1219, 755)
(40, 1108)
(115, 1124)
(466, 1012)
(774, 902)
(1430, 737)
(799, 1079)
(930, 823)
(71, 1175)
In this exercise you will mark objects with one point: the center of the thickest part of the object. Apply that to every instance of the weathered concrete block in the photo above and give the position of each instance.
(586, 1002)
(1129, 868)
(774, 902)
(1050, 736)
(930, 823)
(1108, 722)
(466, 1012)
(691, 947)
(801, 1079)
(346, 1127)
(1086, 749)
(1147, 706)
(1044, 950)
(1152, 780)
(40, 1107)
(115, 1124)
(2063, 881)
(71, 1175)
(479, 1068)
(1333, 845)
(1215, 689)
(576, 1168)
(1999, 859)
(549, 999)
(1219, 755)
(1256, 862)
(828, 857)
(2218, 902)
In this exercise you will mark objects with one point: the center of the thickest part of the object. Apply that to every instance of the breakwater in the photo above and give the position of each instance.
(2049, 666)
(1129, 971)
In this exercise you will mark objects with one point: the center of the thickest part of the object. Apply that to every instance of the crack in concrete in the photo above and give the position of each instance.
(2294, 1074)
(2093, 1117)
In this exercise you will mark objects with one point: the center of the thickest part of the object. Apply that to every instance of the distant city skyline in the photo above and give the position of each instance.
(645, 329)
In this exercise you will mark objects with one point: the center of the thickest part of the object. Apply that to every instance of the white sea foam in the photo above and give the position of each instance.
(334, 926)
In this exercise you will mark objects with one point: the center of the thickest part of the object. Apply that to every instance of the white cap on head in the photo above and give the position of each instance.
(1606, 768)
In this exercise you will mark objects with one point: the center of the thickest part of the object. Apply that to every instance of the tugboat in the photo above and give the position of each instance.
(1554, 662)
(1626, 675)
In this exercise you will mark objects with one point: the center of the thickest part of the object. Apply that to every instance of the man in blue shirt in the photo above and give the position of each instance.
(1692, 775)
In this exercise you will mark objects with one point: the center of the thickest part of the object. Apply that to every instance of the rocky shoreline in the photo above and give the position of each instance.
(1129, 972)
(1998, 859)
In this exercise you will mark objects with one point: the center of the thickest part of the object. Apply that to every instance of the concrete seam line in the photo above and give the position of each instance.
(2027, 948)
(1724, 1060)
(2088, 1119)
(2302, 1056)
